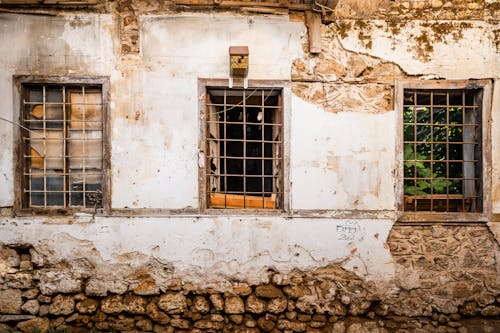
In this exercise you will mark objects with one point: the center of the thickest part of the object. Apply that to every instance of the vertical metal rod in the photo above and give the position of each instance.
(44, 149)
(447, 151)
(464, 186)
(30, 169)
(65, 153)
(431, 110)
(225, 147)
(244, 150)
(262, 128)
(83, 144)
(415, 139)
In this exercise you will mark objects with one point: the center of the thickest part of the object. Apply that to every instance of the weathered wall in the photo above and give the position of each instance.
(446, 281)
(340, 234)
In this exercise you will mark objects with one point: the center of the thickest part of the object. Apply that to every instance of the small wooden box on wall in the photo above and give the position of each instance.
(238, 61)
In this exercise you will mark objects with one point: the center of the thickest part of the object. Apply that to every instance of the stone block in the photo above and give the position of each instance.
(62, 305)
(112, 304)
(234, 305)
(31, 307)
(201, 304)
(34, 325)
(10, 301)
(254, 304)
(173, 303)
(87, 306)
(134, 304)
(268, 291)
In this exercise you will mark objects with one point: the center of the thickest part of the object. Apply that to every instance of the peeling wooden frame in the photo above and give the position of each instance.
(19, 81)
(486, 86)
(300, 5)
(204, 208)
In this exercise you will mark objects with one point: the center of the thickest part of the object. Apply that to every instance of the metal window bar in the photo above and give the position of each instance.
(442, 150)
(63, 143)
(245, 120)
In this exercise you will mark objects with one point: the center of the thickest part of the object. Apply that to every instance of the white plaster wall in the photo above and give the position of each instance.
(174, 56)
(199, 248)
(171, 45)
(47, 45)
(473, 55)
(342, 160)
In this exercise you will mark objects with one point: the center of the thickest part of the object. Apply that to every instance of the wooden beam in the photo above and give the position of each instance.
(313, 22)
(221, 200)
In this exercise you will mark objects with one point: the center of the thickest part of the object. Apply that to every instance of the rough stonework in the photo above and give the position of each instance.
(446, 281)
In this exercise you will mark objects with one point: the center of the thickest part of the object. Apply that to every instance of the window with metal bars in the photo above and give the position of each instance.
(62, 132)
(244, 148)
(442, 150)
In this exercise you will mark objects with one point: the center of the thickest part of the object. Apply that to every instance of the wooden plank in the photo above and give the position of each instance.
(313, 22)
(221, 200)
(265, 10)
(194, 2)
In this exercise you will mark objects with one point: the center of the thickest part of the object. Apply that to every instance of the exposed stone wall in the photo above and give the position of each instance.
(339, 80)
(446, 281)
(418, 9)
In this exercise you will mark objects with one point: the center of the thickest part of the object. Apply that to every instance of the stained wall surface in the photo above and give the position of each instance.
(341, 143)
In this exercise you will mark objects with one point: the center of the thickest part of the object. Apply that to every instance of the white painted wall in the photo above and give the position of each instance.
(174, 56)
(342, 160)
(473, 56)
(47, 45)
(339, 161)
(212, 249)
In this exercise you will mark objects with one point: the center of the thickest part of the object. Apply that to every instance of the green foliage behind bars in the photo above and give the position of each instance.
(431, 176)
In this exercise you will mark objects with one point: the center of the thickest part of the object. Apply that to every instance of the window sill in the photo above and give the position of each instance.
(409, 217)
(58, 212)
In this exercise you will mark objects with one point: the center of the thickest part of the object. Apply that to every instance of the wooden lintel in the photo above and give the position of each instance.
(313, 22)
(265, 10)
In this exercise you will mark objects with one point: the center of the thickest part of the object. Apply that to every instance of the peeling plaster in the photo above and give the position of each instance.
(197, 250)
(446, 56)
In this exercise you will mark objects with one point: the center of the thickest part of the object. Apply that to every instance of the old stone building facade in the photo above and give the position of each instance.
(250, 166)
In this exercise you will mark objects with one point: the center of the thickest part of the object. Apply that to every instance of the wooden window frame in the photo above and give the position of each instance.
(424, 216)
(19, 81)
(203, 86)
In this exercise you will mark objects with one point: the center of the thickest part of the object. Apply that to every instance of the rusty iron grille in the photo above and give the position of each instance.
(63, 146)
(244, 148)
(442, 150)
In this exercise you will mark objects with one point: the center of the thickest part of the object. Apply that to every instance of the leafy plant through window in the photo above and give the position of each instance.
(442, 150)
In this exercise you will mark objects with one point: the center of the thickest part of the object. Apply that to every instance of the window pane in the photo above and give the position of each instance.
(247, 150)
(64, 150)
(444, 155)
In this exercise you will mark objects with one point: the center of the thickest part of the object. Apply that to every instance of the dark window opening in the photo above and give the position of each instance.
(244, 130)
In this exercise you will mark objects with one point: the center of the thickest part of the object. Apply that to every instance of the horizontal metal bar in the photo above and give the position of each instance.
(41, 174)
(253, 176)
(442, 161)
(442, 124)
(242, 123)
(443, 142)
(245, 157)
(41, 121)
(439, 106)
(63, 139)
(242, 140)
(441, 197)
